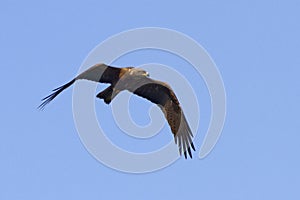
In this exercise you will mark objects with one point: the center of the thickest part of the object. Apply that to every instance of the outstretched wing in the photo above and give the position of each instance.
(99, 73)
(161, 94)
(102, 73)
(55, 92)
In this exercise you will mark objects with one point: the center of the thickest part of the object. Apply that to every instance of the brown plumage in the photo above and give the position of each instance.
(137, 81)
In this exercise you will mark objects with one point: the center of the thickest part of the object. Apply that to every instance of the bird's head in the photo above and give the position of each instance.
(138, 72)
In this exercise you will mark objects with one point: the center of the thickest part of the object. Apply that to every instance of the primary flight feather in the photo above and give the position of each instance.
(137, 81)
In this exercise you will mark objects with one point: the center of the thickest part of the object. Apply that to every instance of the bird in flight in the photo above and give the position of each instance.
(137, 81)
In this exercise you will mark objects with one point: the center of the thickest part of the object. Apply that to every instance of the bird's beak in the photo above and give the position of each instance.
(147, 74)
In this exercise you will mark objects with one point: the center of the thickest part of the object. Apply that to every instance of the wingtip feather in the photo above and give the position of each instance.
(55, 92)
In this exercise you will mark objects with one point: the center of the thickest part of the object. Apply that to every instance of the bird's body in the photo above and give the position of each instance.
(137, 81)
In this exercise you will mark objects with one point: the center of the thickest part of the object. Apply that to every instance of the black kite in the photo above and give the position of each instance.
(137, 81)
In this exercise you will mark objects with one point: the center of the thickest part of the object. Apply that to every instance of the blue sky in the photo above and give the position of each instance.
(255, 45)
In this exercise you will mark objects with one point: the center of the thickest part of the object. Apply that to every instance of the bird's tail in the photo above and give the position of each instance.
(107, 95)
(56, 91)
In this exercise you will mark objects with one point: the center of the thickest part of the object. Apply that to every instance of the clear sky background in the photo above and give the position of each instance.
(255, 45)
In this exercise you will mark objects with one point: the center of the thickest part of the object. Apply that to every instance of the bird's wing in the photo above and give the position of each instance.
(102, 73)
(99, 73)
(54, 93)
(161, 94)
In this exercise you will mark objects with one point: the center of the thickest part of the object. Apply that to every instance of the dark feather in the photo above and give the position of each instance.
(56, 91)
(99, 72)
(161, 94)
(110, 75)
(106, 95)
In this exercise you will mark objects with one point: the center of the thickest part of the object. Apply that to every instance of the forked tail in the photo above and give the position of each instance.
(56, 91)
(106, 95)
